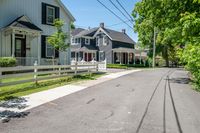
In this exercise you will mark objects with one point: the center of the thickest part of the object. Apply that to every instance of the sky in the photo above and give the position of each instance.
(90, 13)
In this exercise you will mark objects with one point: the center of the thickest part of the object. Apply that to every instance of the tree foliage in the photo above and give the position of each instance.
(59, 38)
(178, 24)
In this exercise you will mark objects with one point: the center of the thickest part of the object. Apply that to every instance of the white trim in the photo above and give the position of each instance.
(54, 14)
(104, 44)
(66, 10)
(88, 43)
(97, 41)
(98, 31)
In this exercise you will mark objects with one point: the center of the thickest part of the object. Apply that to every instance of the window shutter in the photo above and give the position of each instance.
(57, 14)
(44, 13)
(43, 43)
(56, 54)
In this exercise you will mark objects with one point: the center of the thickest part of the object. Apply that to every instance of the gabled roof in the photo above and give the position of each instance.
(82, 32)
(119, 36)
(114, 35)
(24, 22)
(66, 10)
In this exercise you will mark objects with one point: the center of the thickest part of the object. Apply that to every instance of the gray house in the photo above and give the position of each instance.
(101, 43)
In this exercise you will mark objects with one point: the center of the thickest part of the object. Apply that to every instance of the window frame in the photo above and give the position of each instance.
(97, 41)
(54, 14)
(105, 38)
(47, 47)
(87, 40)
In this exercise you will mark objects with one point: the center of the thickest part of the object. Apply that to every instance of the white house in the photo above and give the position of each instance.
(24, 26)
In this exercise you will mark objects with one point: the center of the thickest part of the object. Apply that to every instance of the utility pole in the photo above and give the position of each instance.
(154, 47)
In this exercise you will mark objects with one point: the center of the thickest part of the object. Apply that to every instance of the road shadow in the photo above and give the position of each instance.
(12, 103)
(180, 80)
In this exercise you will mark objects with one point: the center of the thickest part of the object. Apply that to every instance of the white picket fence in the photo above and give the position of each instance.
(50, 72)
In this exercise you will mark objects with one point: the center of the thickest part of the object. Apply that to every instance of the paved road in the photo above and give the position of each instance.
(141, 102)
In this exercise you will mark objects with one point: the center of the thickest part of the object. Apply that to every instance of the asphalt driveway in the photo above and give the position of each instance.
(151, 101)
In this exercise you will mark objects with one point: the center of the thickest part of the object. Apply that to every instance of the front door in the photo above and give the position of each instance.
(20, 47)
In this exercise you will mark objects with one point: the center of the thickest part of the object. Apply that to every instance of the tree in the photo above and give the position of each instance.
(179, 29)
(59, 38)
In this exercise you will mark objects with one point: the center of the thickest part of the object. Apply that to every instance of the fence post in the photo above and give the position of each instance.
(35, 72)
(97, 67)
(59, 69)
(0, 77)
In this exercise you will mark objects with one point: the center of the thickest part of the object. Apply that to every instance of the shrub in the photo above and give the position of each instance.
(7, 62)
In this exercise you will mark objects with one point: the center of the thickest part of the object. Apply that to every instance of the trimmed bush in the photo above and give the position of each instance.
(7, 62)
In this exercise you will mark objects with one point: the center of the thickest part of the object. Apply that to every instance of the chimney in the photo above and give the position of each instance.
(102, 25)
(124, 31)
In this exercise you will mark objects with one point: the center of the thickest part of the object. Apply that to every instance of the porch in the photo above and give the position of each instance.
(84, 53)
(21, 40)
(128, 56)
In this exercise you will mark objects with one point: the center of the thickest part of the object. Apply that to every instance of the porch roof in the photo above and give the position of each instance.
(84, 49)
(23, 22)
(125, 50)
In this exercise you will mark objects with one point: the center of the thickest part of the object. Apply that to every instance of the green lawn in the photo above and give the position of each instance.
(124, 66)
(29, 88)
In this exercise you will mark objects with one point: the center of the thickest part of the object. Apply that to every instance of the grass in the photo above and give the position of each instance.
(124, 66)
(29, 88)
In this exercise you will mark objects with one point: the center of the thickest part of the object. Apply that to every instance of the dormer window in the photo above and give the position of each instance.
(50, 17)
(87, 41)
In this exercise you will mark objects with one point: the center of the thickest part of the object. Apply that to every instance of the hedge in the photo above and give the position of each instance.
(7, 62)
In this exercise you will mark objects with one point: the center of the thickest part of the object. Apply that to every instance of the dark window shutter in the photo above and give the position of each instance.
(57, 10)
(43, 43)
(56, 54)
(44, 13)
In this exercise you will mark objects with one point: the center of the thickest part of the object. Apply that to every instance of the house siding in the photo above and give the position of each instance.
(107, 49)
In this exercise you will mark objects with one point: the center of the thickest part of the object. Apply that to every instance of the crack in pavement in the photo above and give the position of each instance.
(111, 114)
(90, 101)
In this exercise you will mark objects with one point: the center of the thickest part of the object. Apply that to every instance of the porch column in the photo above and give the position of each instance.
(39, 50)
(13, 44)
(128, 57)
(120, 58)
(75, 56)
(92, 55)
(84, 56)
(134, 59)
(140, 58)
(87, 56)
(113, 56)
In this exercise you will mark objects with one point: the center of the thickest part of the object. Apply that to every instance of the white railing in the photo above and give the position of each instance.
(101, 66)
(50, 72)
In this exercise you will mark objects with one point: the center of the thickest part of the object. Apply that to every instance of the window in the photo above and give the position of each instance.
(87, 41)
(77, 40)
(105, 40)
(97, 41)
(72, 40)
(50, 15)
(50, 51)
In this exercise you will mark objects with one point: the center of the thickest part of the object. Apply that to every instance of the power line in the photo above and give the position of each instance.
(124, 9)
(117, 23)
(118, 9)
(115, 14)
